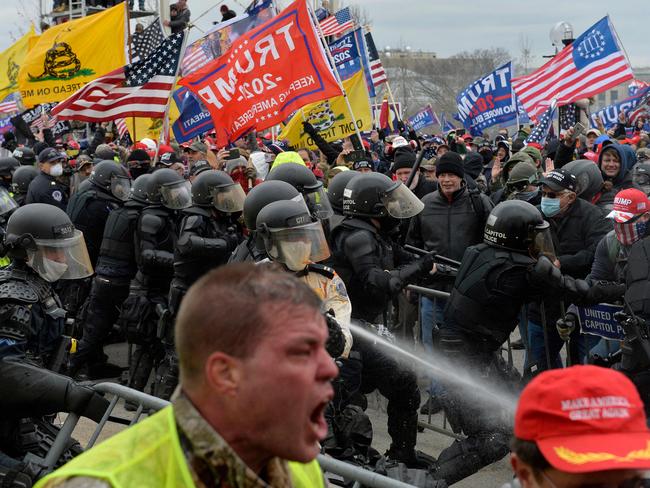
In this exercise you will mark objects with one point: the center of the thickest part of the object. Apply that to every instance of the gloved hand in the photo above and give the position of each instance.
(308, 128)
(85, 401)
(335, 344)
(250, 172)
(605, 291)
(565, 326)
(426, 263)
(232, 241)
(546, 272)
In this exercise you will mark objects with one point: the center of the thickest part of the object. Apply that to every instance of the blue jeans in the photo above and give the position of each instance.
(431, 313)
(580, 346)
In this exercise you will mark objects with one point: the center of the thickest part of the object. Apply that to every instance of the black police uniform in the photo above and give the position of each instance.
(47, 189)
(116, 267)
(205, 242)
(155, 239)
(361, 257)
(492, 285)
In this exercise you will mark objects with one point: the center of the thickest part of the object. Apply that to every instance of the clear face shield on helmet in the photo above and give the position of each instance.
(297, 247)
(121, 187)
(401, 203)
(176, 195)
(542, 244)
(229, 198)
(318, 203)
(60, 259)
(7, 204)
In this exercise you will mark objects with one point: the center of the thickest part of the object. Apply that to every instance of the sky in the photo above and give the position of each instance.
(444, 27)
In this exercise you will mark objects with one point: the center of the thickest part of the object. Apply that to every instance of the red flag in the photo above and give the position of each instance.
(266, 75)
(384, 116)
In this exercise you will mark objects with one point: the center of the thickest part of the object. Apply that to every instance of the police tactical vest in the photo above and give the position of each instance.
(637, 278)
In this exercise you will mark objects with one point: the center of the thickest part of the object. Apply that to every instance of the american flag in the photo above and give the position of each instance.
(145, 43)
(337, 23)
(9, 105)
(197, 55)
(122, 129)
(543, 126)
(594, 63)
(376, 68)
(567, 116)
(635, 86)
(136, 90)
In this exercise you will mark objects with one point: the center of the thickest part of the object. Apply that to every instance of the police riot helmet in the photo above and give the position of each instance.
(291, 234)
(22, 177)
(336, 187)
(139, 188)
(641, 176)
(112, 177)
(25, 155)
(261, 195)
(589, 178)
(44, 237)
(169, 189)
(7, 203)
(376, 195)
(518, 226)
(304, 180)
(7, 166)
(217, 188)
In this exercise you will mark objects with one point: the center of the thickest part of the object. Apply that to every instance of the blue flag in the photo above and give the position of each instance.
(444, 124)
(194, 119)
(423, 118)
(544, 123)
(349, 57)
(609, 114)
(488, 101)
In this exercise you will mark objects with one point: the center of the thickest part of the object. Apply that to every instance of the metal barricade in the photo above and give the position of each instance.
(149, 404)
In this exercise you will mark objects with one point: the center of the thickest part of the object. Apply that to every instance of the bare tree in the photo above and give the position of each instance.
(525, 52)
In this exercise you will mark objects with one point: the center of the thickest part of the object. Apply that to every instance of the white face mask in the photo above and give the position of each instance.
(296, 254)
(48, 269)
(56, 170)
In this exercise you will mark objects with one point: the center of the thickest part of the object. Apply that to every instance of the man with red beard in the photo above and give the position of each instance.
(255, 379)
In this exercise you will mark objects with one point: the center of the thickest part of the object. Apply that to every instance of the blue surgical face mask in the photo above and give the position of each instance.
(550, 206)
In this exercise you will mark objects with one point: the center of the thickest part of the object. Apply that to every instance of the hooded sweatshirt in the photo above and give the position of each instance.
(621, 181)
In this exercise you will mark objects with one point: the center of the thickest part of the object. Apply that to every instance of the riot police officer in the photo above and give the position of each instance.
(375, 269)
(22, 177)
(304, 180)
(260, 196)
(514, 265)
(110, 186)
(46, 188)
(335, 191)
(155, 240)
(7, 167)
(115, 269)
(25, 156)
(44, 247)
(208, 233)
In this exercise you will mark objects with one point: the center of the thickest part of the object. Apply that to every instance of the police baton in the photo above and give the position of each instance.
(429, 292)
(568, 341)
(437, 257)
(416, 168)
(542, 313)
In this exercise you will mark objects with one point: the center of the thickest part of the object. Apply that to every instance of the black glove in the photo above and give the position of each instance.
(335, 344)
(605, 291)
(86, 402)
(426, 262)
(545, 272)
(308, 128)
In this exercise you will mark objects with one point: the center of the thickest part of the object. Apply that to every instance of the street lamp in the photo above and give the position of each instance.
(561, 34)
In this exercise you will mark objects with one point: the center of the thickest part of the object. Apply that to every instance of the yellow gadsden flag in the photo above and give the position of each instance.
(69, 55)
(331, 117)
(10, 61)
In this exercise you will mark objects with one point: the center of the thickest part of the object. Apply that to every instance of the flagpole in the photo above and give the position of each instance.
(336, 73)
(513, 97)
(392, 100)
(128, 42)
(169, 98)
(618, 39)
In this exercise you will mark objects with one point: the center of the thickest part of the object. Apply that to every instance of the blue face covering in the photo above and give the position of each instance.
(550, 206)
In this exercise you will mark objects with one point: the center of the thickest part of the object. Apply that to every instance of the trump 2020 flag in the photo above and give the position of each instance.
(540, 131)
(266, 75)
(424, 118)
(592, 64)
(487, 101)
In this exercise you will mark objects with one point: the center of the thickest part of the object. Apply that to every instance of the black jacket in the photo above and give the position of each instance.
(46, 189)
(450, 227)
(576, 235)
